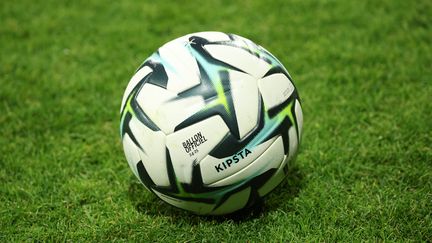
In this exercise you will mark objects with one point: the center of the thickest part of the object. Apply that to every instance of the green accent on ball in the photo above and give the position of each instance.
(222, 99)
(270, 124)
(213, 72)
(127, 109)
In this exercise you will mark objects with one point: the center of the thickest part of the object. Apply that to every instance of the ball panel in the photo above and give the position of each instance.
(239, 58)
(165, 108)
(212, 36)
(234, 202)
(215, 169)
(245, 97)
(131, 152)
(180, 66)
(270, 58)
(151, 97)
(191, 144)
(138, 76)
(293, 142)
(275, 96)
(151, 151)
(270, 158)
(275, 180)
(299, 117)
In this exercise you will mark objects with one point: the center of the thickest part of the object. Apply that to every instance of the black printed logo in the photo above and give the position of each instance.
(238, 157)
(191, 144)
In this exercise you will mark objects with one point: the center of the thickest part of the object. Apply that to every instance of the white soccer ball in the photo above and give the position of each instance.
(210, 121)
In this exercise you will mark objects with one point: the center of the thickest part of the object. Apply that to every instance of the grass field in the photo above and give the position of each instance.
(363, 70)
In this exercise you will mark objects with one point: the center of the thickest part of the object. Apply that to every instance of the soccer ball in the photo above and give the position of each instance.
(210, 121)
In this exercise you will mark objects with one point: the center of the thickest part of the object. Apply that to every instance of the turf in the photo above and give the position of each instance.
(363, 70)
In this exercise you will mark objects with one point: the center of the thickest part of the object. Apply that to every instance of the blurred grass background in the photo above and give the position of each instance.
(363, 70)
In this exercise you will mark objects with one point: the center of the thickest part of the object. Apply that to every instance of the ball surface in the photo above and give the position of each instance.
(210, 121)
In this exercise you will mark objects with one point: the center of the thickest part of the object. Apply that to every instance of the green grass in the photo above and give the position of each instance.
(363, 70)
